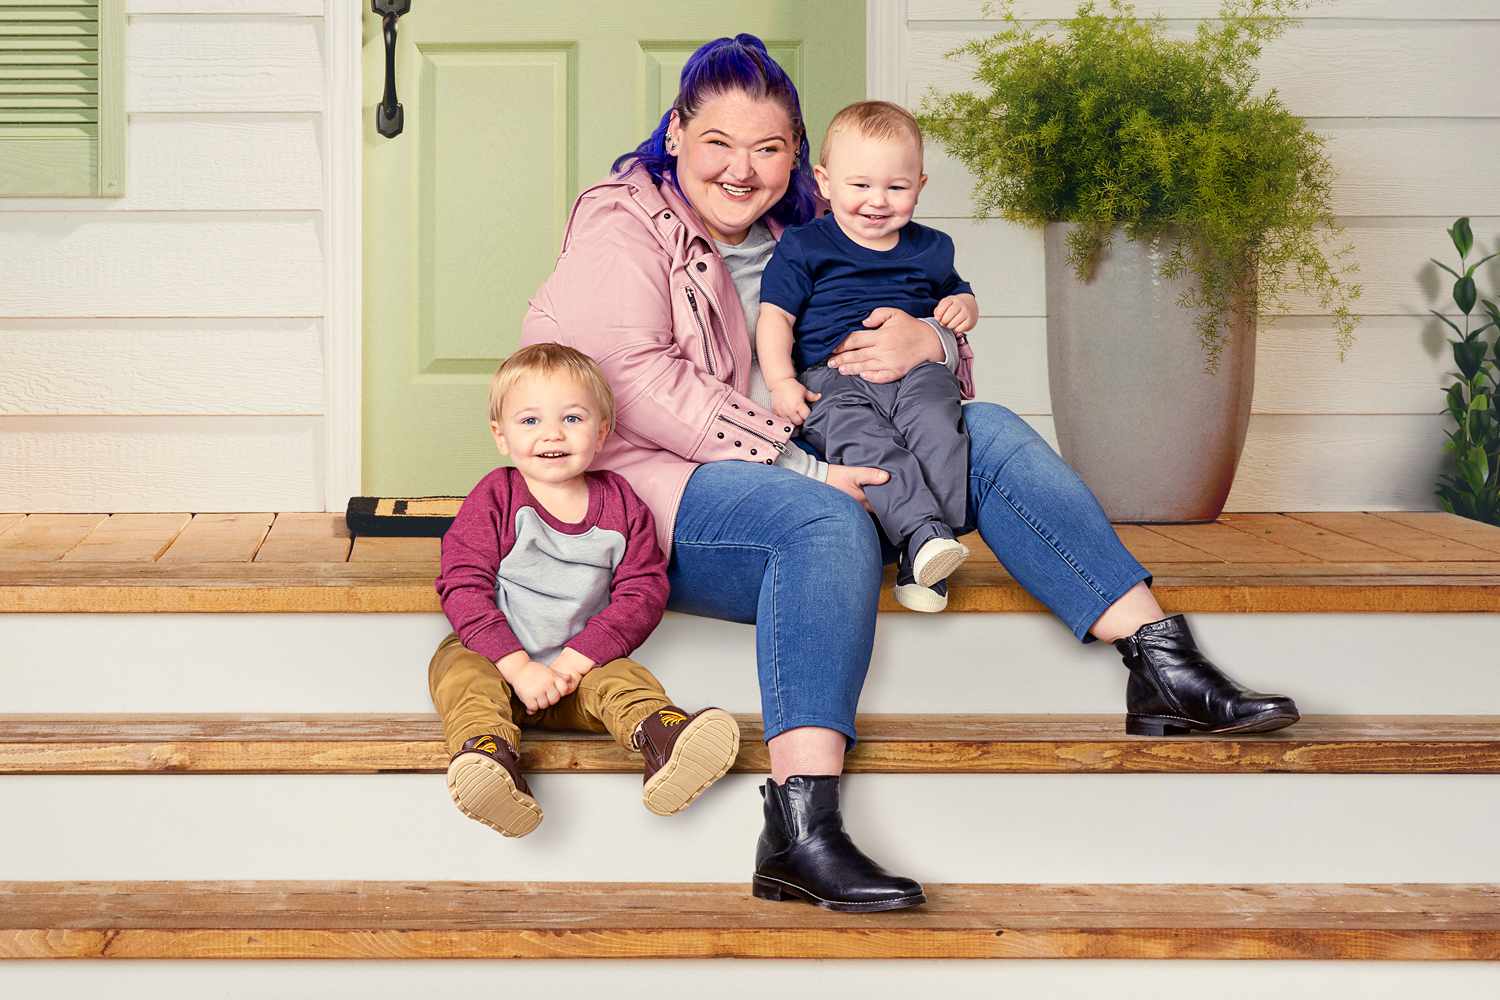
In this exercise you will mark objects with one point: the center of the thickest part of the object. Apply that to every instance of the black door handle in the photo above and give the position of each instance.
(388, 115)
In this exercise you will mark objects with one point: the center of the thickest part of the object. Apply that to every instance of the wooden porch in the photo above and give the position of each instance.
(289, 562)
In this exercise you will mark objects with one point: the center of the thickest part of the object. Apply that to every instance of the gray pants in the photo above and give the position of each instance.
(911, 428)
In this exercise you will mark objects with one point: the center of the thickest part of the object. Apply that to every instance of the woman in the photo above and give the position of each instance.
(658, 269)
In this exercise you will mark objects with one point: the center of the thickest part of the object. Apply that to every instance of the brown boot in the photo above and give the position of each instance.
(485, 781)
(684, 755)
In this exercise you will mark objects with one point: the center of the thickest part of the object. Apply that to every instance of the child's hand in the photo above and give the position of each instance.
(571, 665)
(958, 313)
(789, 398)
(539, 686)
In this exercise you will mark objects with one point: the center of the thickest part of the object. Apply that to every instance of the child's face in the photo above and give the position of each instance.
(549, 427)
(872, 185)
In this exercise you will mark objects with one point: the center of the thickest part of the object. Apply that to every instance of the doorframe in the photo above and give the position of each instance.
(344, 122)
(343, 252)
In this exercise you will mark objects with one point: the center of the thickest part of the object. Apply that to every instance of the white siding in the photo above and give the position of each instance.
(1414, 142)
(165, 350)
(144, 340)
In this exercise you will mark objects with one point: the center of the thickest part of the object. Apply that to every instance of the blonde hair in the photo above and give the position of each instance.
(552, 359)
(873, 120)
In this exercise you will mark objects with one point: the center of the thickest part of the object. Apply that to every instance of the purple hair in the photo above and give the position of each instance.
(727, 65)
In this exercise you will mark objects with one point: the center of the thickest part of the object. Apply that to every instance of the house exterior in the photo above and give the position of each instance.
(194, 344)
(225, 710)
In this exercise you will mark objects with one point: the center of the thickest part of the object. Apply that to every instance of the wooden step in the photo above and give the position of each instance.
(354, 920)
(1319, 562)
(969, 744)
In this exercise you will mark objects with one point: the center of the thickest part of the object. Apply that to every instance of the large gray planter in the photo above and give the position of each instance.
(1155, 437)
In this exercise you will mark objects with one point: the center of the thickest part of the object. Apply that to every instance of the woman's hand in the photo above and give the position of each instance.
(851, 480)
(895, 344)
(789, 399)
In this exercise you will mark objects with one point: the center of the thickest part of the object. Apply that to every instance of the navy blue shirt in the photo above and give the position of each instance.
(830, 283)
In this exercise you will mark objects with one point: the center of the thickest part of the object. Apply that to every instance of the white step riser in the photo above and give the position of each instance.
(958, 828)
(1346, 663)
(745, 980)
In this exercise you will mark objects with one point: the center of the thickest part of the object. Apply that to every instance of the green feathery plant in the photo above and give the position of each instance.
(1475, 443)
(1111, 122)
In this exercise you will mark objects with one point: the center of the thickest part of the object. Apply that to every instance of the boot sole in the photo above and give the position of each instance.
(763, 887)
(941, 564)
(1157, 725)
(483, 791)
(702, 755)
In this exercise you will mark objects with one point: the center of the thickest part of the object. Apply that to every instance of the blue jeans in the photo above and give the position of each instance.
(802, 561)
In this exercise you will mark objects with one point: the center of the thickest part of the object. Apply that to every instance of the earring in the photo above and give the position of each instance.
(671, 147)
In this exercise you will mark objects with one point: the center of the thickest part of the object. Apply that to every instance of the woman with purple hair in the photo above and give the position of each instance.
(658, 280)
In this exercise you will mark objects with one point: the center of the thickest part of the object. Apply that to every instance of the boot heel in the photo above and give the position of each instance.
(1145, 725)
(761, 889)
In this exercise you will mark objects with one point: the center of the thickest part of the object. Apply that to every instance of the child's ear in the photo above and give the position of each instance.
(604, 429)
(921, 183)
(820, 174)
(499, 437)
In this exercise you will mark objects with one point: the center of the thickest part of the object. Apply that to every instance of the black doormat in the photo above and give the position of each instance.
(401, 517)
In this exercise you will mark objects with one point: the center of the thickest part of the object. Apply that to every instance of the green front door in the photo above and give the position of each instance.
(510, 109)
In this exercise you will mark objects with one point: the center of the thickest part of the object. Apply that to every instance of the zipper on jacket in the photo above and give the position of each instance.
(708, 351)
(779, 446)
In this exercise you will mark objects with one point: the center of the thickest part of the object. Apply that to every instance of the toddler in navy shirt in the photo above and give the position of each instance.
(824, 280)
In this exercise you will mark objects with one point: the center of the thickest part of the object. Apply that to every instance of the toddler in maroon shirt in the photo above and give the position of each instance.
(551, 576)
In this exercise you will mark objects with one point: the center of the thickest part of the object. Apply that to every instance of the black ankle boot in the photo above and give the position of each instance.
(1173, 689)
(804, 853)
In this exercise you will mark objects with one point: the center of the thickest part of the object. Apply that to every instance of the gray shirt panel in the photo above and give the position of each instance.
(551, 583)
(746, 262)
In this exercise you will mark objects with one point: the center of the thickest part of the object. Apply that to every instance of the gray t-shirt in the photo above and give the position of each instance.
(746, 262)
(551, 583)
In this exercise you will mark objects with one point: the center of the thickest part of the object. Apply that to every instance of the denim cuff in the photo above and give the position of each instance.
(1081, 629)
(847, 728)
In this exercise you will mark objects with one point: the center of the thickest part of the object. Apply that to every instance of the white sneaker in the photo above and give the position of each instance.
(937, 559)
(915, 597)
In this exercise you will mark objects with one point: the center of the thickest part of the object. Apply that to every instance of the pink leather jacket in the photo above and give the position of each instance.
(640, 288)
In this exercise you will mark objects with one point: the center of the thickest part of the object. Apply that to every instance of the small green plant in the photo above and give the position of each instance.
(1112, 122)
(1475, 443)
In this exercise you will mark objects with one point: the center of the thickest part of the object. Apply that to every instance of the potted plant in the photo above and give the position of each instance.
(1474, 443)
(1178, 204)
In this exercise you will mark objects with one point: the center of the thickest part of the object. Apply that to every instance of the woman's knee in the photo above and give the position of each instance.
(833, 526)
(995, 433)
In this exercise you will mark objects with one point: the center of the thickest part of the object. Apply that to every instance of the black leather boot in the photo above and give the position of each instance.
(804, 853)
(1174, 690)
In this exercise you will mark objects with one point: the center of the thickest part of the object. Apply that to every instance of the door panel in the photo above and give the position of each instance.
(510, 109)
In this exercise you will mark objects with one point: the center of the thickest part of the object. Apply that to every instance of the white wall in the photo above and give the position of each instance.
(1413, 129)
(165, 350)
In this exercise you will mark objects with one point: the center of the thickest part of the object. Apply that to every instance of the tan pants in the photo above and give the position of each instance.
(473, 699)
